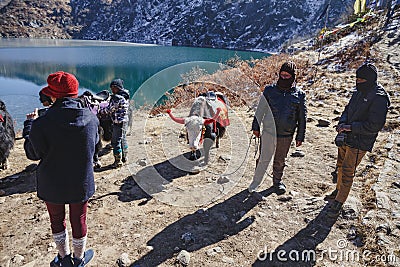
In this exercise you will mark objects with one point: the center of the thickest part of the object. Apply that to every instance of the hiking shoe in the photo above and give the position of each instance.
(280, 188)
(62, 262)
(87, 256)
(334, 209)
(331, 196)
(117, 161)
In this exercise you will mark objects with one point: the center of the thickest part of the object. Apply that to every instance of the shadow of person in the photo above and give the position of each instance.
(202, 228)
(300, 250)
(19, 183)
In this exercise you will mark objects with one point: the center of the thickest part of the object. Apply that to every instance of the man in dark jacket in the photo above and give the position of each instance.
(281, 110)
(358, 127)
(64, 140)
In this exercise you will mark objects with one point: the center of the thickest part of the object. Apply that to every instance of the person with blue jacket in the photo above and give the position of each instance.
(282, 112)
(63, 140)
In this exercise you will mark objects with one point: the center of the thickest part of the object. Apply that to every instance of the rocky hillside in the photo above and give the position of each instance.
(236, 24)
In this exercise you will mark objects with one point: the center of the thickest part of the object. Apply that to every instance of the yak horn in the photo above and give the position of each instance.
(178, 120)
(214, 118)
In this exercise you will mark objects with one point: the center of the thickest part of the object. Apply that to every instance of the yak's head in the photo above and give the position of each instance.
(194, 127)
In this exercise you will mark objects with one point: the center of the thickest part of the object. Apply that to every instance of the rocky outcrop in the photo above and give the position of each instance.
(243, 24)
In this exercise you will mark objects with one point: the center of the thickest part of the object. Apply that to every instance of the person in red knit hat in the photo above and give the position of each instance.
(64, 140)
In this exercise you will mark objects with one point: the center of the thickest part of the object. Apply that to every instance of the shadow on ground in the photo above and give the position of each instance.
(202, 228)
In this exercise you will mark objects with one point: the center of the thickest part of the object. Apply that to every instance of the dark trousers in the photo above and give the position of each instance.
(281, 151)
(270, 145)
(118, 139)
(77, 217)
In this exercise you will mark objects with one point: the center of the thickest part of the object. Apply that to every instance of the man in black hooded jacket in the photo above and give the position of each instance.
(282, 112)
(358, 128)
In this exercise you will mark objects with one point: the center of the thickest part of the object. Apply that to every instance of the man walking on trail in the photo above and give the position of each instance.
(281, 110)
(362, 119)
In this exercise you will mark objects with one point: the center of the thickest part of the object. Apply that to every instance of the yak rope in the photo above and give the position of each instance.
(241, 164)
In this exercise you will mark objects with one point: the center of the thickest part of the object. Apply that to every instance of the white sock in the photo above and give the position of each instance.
(79, 245)
(62, 243)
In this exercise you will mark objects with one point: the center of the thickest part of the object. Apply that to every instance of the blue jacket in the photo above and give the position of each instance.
(288, 109)
(64, 141)
(366, 112)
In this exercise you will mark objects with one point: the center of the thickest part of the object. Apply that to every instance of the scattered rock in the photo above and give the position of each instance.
(223, 180)
(285, 198)
(145, 142)
(323, 123)
(124, 260)
(187, 238)
(395, 184)
(142, 162)
(298, 154)
(294, 193)
(183, 257)
(17, 260)
(202, 210)
(336, 112)
(383, 228)
(214, 251)
(224, 158)
(228, 260)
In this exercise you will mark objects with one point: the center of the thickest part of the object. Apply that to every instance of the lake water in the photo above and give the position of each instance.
(26, 63)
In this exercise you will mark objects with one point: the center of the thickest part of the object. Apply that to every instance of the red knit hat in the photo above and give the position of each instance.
(61, 84)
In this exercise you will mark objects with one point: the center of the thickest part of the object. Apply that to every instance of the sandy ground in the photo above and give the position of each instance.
(150, 211)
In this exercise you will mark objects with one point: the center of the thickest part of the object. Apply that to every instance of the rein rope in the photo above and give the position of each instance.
(241, 164)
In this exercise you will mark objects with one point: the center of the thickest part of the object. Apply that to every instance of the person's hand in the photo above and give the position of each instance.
(33, 115)
(343, 128)
(298, 143)
(257, 134)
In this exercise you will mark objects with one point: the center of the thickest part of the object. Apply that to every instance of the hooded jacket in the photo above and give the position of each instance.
(64, 141)
(366, 113)
(288, 109)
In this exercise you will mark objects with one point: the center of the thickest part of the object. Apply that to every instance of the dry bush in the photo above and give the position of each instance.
(241, 81)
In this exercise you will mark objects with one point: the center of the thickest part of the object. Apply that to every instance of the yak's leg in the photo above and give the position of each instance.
(209, 138)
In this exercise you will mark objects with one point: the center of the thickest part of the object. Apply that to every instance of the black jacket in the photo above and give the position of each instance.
(64, 141)
(288, 109)
(366, 112)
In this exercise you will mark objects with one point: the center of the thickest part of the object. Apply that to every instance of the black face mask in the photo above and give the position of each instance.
(285, 84)
(365, 86)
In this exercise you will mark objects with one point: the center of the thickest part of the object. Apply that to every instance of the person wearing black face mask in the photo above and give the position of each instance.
(281, 110)
(362, 119)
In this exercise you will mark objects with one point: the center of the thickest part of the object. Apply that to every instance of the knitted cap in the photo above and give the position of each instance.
(368, 72)
(118, 83)
(289, 67)
(61, 84)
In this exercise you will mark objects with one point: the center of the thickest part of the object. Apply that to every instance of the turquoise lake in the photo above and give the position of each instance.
(26, 63)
